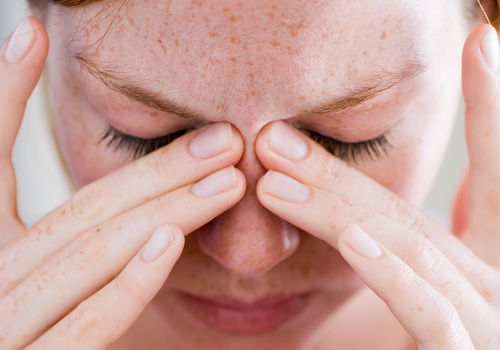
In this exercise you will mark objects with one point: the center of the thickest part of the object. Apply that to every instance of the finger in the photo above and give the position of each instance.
(108, 314)
(100, 253)
(481, 88)
(318, 168)
(425, 314)
(320, 213)
(22, 58)
(352, 189)
(167, 169)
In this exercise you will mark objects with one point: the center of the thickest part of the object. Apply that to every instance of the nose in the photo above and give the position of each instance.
(249, 240)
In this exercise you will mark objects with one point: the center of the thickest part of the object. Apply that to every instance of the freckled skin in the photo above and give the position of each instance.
(250, 63)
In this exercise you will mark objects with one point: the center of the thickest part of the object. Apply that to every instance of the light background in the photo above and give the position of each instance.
(42, 185)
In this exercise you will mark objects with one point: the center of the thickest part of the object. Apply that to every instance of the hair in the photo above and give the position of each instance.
(68, 3)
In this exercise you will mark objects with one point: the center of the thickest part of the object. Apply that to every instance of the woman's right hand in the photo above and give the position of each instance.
(80, 277)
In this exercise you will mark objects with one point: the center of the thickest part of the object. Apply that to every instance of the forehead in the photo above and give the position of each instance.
(218, 55)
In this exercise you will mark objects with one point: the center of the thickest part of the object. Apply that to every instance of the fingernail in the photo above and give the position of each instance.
(284, 187)
(212, 141)
(361, 242)
(491, 49)
(20, 42)
(286, 141)
(158, 243)
(215, 183)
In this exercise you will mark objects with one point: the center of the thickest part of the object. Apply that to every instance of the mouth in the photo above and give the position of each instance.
(233, 316)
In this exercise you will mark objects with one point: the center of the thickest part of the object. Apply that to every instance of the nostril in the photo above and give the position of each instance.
(248, 250)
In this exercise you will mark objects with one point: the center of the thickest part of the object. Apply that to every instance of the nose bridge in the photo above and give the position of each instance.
(248, 239)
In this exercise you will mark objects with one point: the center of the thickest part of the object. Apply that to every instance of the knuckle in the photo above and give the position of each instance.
(82, 321)
(446, 324)
(423, 256)
(89, 248)
(403, 281)
(407, 214)
(333, 171)
(128, 289)
(85, 204)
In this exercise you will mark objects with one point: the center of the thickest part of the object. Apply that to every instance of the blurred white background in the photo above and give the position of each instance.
(42, 185)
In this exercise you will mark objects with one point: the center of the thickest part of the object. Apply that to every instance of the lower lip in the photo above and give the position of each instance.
(247, 320)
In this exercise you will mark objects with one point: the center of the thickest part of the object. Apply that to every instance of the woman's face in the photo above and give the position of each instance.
(251, 63)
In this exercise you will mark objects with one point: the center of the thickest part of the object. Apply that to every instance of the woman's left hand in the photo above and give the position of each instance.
(444, 290)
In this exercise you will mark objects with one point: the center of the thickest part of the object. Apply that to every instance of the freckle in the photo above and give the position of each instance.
(63, 212)
(203, 75)
(245, 47)
(268, 82)
(250, 75)
(214, 35)
(275, 43)
(294, 29)
(232, 39)
(333, 227)
(98, 230)
(176, 42)
(487, 133)
(232, 19)
(232, 59)
(39, 287)
(420, 309)
(383, 36)
(250, 63)
(147, 199)
(81, 252)
(207, 20)
(274, 6)
(225, 9)
(364, 53)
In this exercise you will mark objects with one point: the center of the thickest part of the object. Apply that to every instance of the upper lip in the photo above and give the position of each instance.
(234, 303)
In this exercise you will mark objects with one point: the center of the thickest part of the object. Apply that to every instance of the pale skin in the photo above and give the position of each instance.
(81, 277)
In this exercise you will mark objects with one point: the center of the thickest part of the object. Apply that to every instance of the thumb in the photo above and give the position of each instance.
(22, 58)
(481, 87)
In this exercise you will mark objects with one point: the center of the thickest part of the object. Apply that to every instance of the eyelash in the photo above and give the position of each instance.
(136, 147)
(374, 149)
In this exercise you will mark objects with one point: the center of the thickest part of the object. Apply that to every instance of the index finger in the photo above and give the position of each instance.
(163, 171)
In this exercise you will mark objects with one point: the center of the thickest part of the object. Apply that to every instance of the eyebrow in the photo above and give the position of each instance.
(373, 86)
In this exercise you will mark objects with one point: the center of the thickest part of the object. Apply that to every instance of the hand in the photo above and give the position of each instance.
(443, 290)
(80, 277)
